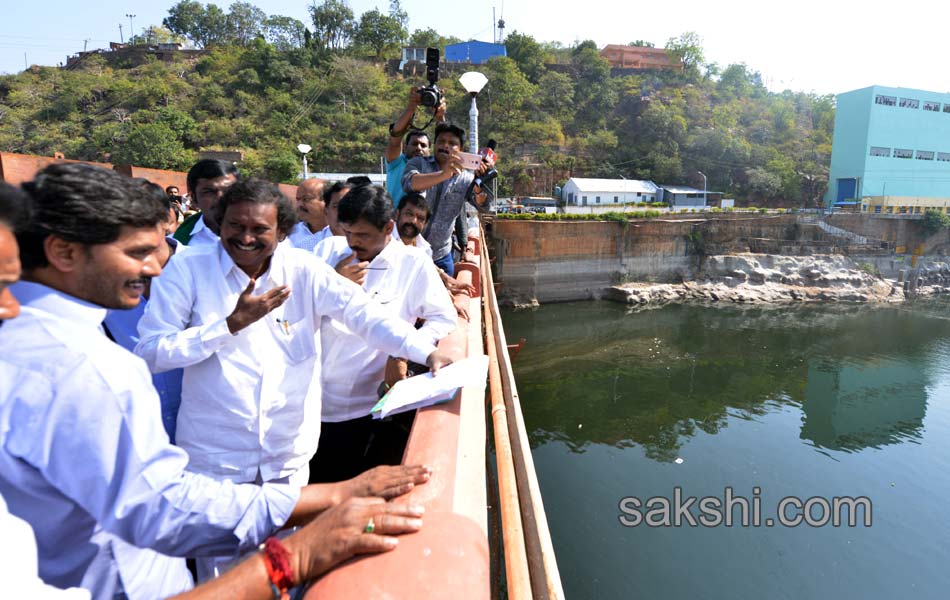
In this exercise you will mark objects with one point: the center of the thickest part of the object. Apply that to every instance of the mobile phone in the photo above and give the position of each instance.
(470, 161)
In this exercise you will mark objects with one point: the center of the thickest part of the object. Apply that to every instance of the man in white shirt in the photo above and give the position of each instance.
(243, 320)
(207, 180)
(405, 281)
(83, 456)
(311, 209)
(331, 199)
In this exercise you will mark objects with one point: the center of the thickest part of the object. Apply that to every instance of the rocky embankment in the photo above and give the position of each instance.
(767, 278)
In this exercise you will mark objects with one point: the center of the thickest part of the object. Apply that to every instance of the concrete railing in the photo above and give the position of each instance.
(449, 557)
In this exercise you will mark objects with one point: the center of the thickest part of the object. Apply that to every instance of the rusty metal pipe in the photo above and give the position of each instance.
(516, 558)
(545, 576)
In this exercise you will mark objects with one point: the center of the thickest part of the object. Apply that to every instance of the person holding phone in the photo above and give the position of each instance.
(445, 182)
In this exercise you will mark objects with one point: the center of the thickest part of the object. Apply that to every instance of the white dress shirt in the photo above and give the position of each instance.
(406, 282)
(301, 236)
(18, 566)
(201, 235)
(85, 461)
(251, 401)
(323, 248)
(420, 242)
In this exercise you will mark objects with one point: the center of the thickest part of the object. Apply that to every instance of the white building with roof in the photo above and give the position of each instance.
(681, 196)
(579, 191)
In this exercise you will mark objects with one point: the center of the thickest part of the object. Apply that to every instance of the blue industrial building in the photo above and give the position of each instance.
(474, 52)
(890, 142)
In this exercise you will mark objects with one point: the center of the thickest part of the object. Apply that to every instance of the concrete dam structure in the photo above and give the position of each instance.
(561, 261)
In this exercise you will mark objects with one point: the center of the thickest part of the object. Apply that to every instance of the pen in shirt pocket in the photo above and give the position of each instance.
(284, 324)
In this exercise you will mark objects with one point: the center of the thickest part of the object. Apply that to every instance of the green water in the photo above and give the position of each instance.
(798, 401)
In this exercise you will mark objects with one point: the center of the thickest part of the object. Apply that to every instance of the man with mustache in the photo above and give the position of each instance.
(446, 186)
(311, 210)
(83, 457)
(411, 219)
(241, 319)
(406, 283)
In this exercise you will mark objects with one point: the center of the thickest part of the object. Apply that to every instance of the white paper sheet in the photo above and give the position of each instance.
(426, 389)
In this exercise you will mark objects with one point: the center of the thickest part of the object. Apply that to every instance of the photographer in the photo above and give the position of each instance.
(417, 143)
(450, 187)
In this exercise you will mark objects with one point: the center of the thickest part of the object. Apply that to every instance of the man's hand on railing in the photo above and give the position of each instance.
(385, 481)
(344, 531)
(460, 303)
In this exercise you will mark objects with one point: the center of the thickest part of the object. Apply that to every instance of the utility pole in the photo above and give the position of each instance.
(25, 66)
(131, 27)
(85, 43)
(121, 39)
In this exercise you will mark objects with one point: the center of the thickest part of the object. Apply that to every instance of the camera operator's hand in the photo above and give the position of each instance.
(440, 111)
(415, 98)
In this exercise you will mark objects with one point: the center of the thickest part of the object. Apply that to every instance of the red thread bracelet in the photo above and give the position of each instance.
(277, 563)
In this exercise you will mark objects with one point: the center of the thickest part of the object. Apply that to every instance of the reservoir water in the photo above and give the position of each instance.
(817, 401)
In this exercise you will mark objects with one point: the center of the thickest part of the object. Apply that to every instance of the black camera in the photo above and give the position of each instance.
(431, 94)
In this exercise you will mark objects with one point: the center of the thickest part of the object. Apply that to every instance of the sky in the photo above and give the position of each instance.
(818, 46)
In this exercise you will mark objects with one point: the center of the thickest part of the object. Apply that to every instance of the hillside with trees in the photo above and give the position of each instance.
(264, 83)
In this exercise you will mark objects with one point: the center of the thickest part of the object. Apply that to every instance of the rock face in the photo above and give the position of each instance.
(767, 278)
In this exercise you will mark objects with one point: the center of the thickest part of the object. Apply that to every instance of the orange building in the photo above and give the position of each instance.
(639, 57)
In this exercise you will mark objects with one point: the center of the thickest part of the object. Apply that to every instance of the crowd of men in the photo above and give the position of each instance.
(192, 376)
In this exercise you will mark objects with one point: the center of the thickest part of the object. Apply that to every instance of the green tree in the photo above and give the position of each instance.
(333, 24)
(285, 33)
(245, 22)
(527, 53)
(687, 49)
(763, 183)
(154, 34)
(642, 44)
(556, 95)
(205, 26)
(397, 12)
(380, 33)
(152, 145)
(430, 38)
(935, 221)
(507, 91)
(594, 91)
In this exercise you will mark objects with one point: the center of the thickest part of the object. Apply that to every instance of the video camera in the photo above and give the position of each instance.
(431, 94)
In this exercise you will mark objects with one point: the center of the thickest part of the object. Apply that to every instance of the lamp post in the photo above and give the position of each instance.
(704, 187)
(304, 149)
(131, 28)
(473, 82)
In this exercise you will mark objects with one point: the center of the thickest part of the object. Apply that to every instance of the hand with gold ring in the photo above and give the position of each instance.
(356, 526)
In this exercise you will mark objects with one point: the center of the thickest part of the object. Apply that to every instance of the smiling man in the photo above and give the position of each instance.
(241, 318)
(82, 460)
(83, 456)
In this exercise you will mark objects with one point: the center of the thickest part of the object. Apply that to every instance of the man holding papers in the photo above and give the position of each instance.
(404, 281)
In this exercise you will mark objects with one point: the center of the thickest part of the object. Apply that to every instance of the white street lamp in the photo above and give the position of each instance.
(704, 187)
(473, 82)
(304, 149)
